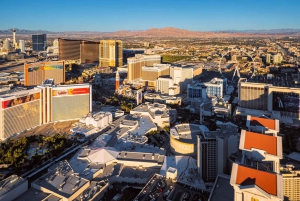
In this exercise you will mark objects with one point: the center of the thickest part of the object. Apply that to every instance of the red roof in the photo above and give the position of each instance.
(261, 141)
(265, 180)
(269, 123)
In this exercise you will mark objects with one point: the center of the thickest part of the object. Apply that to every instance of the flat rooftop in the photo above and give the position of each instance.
(187, 132)
(222, 189)
(61, 180)
(10, 183)
(32, 194)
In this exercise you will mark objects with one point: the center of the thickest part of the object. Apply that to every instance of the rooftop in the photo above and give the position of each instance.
(32, 194)
(272, 124)
(61, 180)
(259, 141)
(10, 183)
(186, 132)
(249, 176)
(222, 189)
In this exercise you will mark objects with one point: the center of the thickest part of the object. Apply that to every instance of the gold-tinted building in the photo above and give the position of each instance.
(291, 182)
(19, 111)
(136, 63)
(44, 104)
(110, 53)
(150, 74)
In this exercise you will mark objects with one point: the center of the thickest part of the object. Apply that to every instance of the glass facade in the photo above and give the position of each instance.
(39, 42)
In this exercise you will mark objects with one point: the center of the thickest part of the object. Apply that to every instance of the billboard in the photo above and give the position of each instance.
(44, 66)
(20, 100)
(286, 101)
(71, 91)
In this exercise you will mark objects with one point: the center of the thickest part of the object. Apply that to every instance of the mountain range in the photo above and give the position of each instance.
(168, 32)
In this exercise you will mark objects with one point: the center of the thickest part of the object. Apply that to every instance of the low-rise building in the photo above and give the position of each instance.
(158, 113)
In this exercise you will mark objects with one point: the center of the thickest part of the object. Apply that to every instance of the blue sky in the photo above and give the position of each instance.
(110, 15)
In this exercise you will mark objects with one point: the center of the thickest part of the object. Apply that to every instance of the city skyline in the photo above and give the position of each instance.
(109, 16)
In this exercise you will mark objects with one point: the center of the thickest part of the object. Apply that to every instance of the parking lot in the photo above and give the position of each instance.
(160, 188)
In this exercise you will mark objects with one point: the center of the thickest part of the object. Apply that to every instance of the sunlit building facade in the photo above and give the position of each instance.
(110, 53)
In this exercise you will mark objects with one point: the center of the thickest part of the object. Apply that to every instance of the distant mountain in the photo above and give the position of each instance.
(267, 31)
(24, 31)
(168, 32)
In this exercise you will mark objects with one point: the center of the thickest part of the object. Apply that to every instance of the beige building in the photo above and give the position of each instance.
(183, 76)
(164, 85)
(136, 63)
(110, 53)
(277, 58)
(150, 74)
(281, 103)
(291, 182)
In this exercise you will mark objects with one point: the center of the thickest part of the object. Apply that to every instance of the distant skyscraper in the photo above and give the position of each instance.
(268, 58)
(6, 45)
(22, 45)
(277, 59)
(39, 42)
(136, 63)
(14, 37)
(110, 53)
(55, 43)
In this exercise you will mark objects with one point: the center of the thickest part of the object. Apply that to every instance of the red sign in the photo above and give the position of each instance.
(72, 91)
(20, 100)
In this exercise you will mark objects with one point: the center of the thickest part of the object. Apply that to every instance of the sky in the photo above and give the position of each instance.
(115, 15)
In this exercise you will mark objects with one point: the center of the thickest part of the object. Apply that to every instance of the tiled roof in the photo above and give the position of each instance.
(265, 180)
(261, 141)
(257, 121)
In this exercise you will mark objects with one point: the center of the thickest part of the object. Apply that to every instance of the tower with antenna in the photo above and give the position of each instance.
(14, 37)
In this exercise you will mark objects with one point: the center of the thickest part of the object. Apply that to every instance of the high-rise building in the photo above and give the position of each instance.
(291, 182)
(19, 111)
(253, 96)
(44, 104)
(214, 89)
(268, 58)
(14, 38)
(110, 53)
(69, 50)
(39, 42)
(163, 85)
(136, 63)
(151, 73)
(280, 102)
(55, 43)
(22, 45)
(277, 58)
(257, 176)
(36, 73)
(197, 90)
(216, 147)
(182, 76)
(89, 52)
(6, 45)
